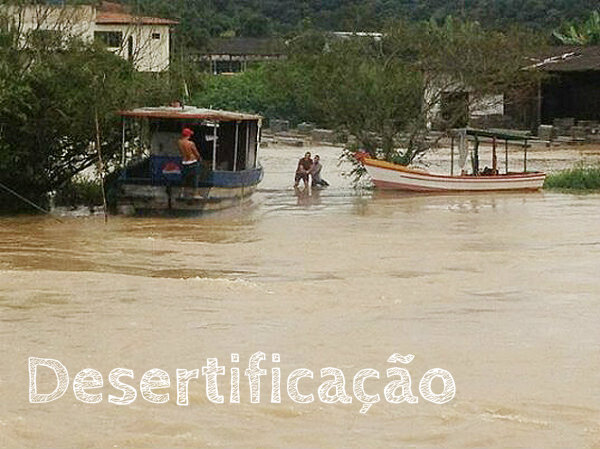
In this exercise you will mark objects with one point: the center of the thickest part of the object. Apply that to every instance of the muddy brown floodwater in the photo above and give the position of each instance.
(501, 290)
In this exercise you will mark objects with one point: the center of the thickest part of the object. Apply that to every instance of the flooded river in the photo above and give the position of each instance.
(500, 290)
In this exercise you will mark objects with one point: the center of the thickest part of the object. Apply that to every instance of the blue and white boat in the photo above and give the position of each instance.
(152, 179)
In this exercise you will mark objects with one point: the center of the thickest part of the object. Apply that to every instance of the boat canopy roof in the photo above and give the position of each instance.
(497, 133)
(188, 113)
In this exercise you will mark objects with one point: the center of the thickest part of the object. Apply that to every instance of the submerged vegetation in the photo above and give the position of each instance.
(578, 178)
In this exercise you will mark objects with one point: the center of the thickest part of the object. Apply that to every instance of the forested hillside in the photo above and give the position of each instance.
(267, 17)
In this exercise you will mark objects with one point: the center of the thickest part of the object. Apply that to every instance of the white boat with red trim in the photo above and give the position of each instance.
(389, 175)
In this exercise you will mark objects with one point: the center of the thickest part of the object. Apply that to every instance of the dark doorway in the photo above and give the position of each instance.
(130, 48)
(571, 94)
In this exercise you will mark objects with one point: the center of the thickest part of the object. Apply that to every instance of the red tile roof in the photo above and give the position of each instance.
(112, 18)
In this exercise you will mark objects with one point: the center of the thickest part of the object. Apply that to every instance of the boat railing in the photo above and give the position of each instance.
(168, 170)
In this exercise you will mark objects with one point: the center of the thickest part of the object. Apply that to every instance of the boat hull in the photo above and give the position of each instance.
(220, 191)
(389, 176)
(143, 200)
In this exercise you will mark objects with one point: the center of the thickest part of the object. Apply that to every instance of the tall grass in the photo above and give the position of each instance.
(578, 178)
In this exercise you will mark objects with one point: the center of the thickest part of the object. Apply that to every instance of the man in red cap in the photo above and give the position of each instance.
(190, 157)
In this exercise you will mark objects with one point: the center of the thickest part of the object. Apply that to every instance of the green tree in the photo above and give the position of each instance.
(386, 92)
(581, 33)
(56, 103)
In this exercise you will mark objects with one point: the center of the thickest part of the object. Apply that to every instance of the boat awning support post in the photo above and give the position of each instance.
(235, 148)
(494, 156)
(122, 141)
(258, 140)
(506, 155)
(452, 156)
(214, 155)
(247, 141)
(476, 157)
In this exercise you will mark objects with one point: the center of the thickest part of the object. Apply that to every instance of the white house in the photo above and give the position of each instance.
(145, 41)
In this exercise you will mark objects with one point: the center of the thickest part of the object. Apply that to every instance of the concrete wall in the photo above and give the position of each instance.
(69, 20)
(478, 106)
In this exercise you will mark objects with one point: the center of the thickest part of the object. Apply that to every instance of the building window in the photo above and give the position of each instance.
(227, 67)
(155, 35)
(112, 39)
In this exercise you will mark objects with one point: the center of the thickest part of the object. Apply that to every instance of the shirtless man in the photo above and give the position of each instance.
(303, 170)
(190, 157)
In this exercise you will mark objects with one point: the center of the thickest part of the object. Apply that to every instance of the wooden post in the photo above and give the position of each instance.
(525, 157)
(258, 139)
(235, 149)
(123, 142)
(538, 119)
(494, 157)
(476, 156)
(452, 157)
(247, 143)
(506, 155)
(100, 164)
(214, 162)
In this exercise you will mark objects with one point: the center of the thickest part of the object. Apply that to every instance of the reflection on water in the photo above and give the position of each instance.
(502, 290)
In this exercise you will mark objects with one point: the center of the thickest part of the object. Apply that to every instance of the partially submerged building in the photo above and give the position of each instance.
(572, 89)
(568, 92)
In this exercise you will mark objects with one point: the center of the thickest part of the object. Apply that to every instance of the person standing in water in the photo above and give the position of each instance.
(315, 172)
(303, 170)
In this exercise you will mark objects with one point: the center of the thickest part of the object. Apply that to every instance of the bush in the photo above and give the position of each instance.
(257, 90)
(579, 178)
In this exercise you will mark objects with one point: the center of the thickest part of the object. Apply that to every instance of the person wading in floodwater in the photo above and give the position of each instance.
(191, 158)
(303, 170)
(315, 172)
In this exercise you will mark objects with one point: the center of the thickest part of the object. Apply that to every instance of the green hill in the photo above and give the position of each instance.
(204, 18)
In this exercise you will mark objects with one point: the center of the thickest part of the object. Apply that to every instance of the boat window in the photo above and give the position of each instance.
(236, 143)
(166, 133)
(225, 145)
(252, 145)
(241, 151)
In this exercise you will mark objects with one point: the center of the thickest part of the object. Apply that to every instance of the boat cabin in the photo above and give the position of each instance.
(228, 143)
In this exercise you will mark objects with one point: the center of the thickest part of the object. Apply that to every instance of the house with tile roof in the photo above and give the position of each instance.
(145, 41)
